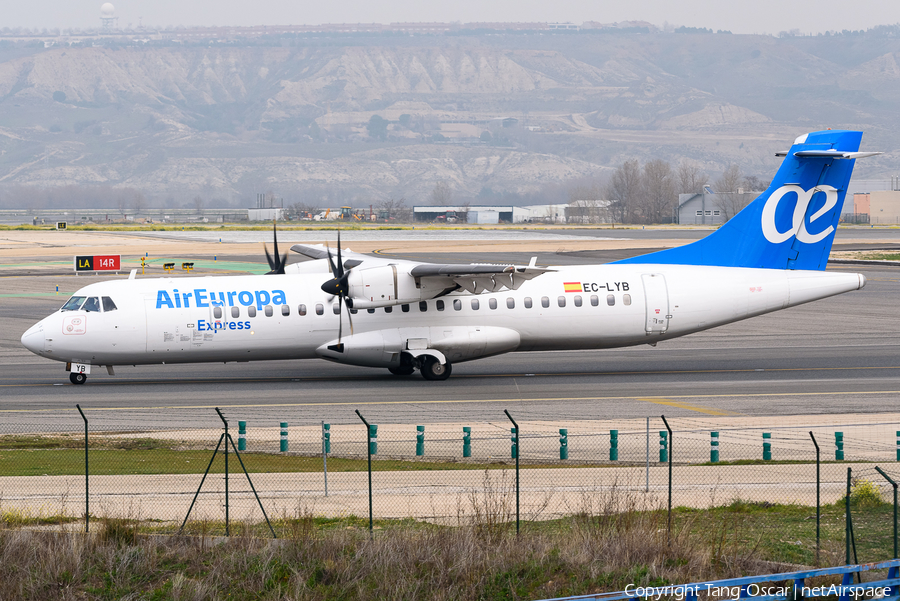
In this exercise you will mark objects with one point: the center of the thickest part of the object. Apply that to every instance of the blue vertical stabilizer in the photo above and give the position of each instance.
(792, 224)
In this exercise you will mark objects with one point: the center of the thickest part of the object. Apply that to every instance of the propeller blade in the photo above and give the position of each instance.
(350, 316)
(340, 262)
(276, 264)
(340, 318)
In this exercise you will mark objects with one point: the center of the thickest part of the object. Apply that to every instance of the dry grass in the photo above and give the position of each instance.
(607, 545)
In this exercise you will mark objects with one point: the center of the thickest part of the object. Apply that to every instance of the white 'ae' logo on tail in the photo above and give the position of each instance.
(798, 225)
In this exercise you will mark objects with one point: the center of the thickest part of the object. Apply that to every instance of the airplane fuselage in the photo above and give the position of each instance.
(248, 318)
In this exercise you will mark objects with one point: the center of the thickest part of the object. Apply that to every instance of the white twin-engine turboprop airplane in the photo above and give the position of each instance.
(405, 315)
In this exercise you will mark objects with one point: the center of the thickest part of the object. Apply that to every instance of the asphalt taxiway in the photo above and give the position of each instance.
(839, 355)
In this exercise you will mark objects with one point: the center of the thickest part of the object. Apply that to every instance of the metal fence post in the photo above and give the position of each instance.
(847, 522)
(369, 453)
(818, 496)
(518, 434)
(894, 484)
(647, 469)
(87, 507)
(326, 448)
(671, 456)
(227, 520)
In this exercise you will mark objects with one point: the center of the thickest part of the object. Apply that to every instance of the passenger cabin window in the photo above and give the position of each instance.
(269, 310)
(545, 301)
(595, 300)
(439, 305)
(354, 311)
(91, 305)
(73, 304)
(610, 299)
(404, 308)
(457, 304)
(527, 302)
(320, 309)
(388, 309)
(251, 311)
(108, 304)
(577, 300)
(510, 303)
(626, 299)
(285, 310)
(336, 309)
(217, 312)
(423, 306)
(370, 310)
(475, 304)
(561, 301)
(301, 310)
(492, 303)
(235, 312)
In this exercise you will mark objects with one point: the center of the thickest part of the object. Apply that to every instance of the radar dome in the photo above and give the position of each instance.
(107, 9)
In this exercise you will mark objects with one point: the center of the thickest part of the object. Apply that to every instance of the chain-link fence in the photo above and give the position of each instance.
(755, 475)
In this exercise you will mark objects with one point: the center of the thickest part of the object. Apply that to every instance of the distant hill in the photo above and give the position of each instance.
(490, 114)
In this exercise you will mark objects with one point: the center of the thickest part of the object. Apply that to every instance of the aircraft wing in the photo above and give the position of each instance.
(435, 279)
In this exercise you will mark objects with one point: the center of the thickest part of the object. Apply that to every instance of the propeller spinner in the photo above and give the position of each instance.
(339, 286)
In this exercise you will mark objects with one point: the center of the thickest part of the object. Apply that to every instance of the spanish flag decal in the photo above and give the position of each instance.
(572, 286)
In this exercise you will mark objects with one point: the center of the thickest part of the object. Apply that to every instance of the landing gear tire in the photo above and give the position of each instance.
(402, 370)
(76, 378)
(432, 369)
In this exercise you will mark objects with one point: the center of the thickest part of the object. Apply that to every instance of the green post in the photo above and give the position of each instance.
(714, 447)
(284, 439)
(420, 441)
(663, 446)
(326, 434)
(898, 445)
(839, 446)
(373, 439)
(242, 436)
(563, 443)
(514, 450)
(767, 446)
(613, 445)
(467, 441)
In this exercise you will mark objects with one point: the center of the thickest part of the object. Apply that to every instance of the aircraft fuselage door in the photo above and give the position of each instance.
(656, 297)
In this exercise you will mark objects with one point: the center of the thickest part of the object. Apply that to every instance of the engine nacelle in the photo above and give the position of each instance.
(381, 287)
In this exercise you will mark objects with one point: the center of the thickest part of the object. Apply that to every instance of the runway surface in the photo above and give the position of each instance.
(839, 355)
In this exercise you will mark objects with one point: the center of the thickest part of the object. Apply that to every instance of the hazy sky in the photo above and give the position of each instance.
(756, 16)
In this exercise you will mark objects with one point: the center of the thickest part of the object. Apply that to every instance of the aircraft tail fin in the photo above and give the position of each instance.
(792, 224)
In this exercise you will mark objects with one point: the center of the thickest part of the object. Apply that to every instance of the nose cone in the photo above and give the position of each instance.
(33, 339)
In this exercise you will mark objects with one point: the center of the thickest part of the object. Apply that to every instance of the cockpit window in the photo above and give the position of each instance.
(108, 304)
(73, 304)
(92, 304)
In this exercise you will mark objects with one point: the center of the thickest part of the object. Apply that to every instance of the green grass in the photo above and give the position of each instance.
(34, 461)
(787, 533)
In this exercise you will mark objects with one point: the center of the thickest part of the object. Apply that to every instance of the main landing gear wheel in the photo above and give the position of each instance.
(402, 370)
(76, 378)
(432, 369)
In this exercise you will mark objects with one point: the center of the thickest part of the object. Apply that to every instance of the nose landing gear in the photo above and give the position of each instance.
(77, 378)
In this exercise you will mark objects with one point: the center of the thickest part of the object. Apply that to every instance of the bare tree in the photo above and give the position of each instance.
(393, 207)
(442, 194)
(729, 197)
(198, 204)
(624, 189)
(138, 202)
(659, 197)
(691, 178)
